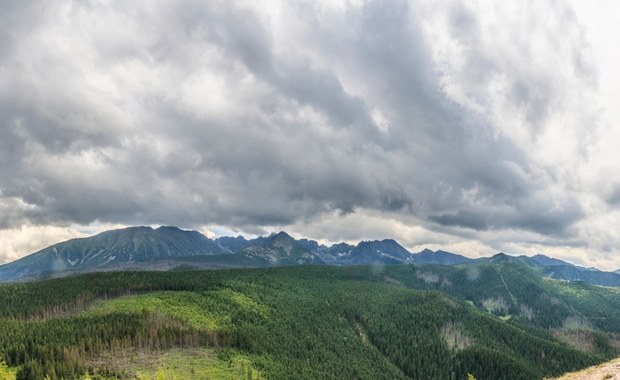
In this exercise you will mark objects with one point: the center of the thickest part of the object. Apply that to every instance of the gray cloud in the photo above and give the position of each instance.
(235, 114)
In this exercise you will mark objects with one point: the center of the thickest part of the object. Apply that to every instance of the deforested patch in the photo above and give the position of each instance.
(428, 277)
(576, 332)
(526, 311)
(446, 283)
(578, 338)
(393, 281)
(575, 323)
(454, 335)
(549, 298)
(497, 305)
(473, 274)
(614, 340)
(452, 303)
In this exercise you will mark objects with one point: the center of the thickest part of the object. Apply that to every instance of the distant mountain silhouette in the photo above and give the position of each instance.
(165, 248)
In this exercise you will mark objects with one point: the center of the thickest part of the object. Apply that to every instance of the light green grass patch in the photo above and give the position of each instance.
(495, 305)
(210, 310)
(6, 372)
(181, 364)
(204, 364)
(243, 301)
(187, 306)
(567, 289)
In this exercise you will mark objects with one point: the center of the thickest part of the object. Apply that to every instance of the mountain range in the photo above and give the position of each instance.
(167, 248)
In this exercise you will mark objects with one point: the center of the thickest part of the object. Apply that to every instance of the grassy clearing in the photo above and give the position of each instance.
(209, 310)
(7, 373)
(241, 300)
(177, 364)
(568, 289)
(186, 306)
(203, 364)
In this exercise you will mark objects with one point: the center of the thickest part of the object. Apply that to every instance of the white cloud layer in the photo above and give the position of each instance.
(471, 126)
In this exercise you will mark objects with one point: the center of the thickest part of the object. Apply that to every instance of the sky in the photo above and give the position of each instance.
(469, 126)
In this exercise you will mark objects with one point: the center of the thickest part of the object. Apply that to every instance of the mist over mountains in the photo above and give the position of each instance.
(168, 248)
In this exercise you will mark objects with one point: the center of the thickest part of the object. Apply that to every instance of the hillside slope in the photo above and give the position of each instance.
(314, 322)
(279, 249)
(606, 371)
(114, 249)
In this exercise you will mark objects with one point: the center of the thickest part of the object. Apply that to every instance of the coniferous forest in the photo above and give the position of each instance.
(313, 322)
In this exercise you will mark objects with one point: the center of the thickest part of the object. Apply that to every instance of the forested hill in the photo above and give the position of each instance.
(493, 321)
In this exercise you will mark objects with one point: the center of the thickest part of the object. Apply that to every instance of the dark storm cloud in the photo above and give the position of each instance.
(532, 216)
(191, 113)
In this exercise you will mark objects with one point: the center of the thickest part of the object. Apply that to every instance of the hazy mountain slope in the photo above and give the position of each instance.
(536, 261)
(546, 261)
(503, 258)
(332, 255)
(312, 245)
(385, 251)
(572, 273)
(232, 244)
(280, 249)
(557, 269)
(168, 248)
(522, 295)
(438, 257)
(110, 249)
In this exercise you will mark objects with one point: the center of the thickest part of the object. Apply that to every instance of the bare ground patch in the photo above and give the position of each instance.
(454, 335)
(605, 371)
